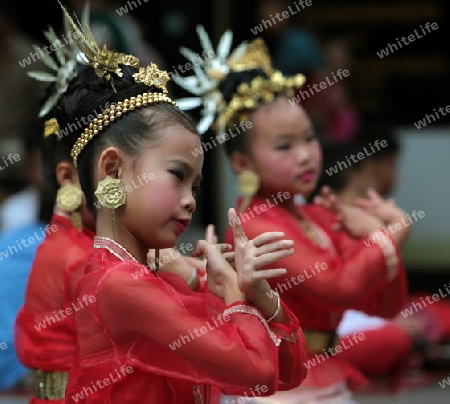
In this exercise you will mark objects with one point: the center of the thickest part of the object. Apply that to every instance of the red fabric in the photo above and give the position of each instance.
(44, 330)
(134, 322)
(435, 313)
(380, 352)
(355, 278)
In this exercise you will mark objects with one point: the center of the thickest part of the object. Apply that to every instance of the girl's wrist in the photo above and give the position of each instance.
(232, 292)
(258, 290)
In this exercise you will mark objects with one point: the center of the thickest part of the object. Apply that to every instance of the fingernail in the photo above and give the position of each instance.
(279, 233)
(288, 242)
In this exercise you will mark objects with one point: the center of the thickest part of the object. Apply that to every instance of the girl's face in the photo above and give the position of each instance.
(161, 184)
(283, 149)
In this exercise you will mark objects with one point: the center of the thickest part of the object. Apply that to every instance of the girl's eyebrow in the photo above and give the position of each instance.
(187, 167)
(307, 131)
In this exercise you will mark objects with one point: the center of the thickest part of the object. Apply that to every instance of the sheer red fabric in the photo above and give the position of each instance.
(44, 331)
(149, 338)
(323, 281)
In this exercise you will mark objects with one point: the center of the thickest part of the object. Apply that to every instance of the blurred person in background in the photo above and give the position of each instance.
(19, 103)
(15, 264)
(332, 108)
(390, 348)
(22, 208)
(294, 48)
(350, 177)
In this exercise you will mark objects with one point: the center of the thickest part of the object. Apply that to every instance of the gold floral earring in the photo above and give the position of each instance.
(69, 198)
(111, 194)
(248, 184)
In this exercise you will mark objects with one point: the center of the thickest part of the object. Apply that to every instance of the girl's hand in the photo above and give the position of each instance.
(389, 213)
(221, 276)
(210, 234)
(268, 250)
(385, 210)
(251, 280)
(358, 222)
(327, 199)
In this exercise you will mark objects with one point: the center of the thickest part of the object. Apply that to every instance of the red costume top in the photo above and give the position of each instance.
(149, 338)
(326, 277)
(44, 331)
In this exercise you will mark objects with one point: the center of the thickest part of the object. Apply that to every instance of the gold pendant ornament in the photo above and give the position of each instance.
(111, 193)
(248, 185)
(69, 197)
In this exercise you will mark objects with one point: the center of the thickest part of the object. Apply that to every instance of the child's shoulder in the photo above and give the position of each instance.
(319, 212)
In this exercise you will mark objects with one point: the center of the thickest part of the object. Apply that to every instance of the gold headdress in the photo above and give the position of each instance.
(106, 64)
(205, 82)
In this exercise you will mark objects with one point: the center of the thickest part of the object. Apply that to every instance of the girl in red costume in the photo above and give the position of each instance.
(341, 261)
(45, 331)
(147, 337)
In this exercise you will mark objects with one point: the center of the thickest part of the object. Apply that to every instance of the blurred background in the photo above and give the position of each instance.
(387, 95)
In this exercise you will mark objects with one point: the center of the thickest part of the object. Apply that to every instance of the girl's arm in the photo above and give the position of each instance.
(183, 337)
(339, 281)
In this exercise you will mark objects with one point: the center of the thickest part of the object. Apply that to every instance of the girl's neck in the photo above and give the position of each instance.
(121, 235)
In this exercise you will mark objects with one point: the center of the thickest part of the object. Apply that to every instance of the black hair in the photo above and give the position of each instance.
(87, 96)
(228, 87)
(335, 157)
(371, 132)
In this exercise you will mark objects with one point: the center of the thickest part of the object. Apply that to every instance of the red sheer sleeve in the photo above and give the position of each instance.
(234, 350)
(384, 301)
(338, 280)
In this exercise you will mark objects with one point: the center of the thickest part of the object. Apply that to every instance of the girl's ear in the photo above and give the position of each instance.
(66, 174)
(240, 162)
(109, 164)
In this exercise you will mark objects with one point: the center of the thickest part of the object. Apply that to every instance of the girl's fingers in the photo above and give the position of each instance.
(203, 248)
(267, 259)
(269, 273)
(272, 247)
(249, 258)
(210, 235)
(267, 237)
(238, 231)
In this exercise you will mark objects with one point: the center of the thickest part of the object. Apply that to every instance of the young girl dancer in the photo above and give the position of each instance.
(149, 338)
(44, 331)
(277, 158)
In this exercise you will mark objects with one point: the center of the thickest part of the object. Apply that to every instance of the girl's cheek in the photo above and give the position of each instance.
(316, 155)
(280, 165)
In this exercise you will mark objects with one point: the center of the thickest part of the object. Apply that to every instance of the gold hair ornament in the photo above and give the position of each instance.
(111, 114)
(51, 127)
(217, 113)
(152, 76)
(106, 64)
(104, 61)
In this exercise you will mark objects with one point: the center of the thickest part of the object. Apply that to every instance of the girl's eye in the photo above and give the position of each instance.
(311, 137)
(283, 146)
(178, 174)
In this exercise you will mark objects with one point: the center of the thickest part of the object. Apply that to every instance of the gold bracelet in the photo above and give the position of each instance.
(277, 311)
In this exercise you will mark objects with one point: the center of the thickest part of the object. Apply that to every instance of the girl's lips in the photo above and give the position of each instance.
(181, 224)
(307, 176)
